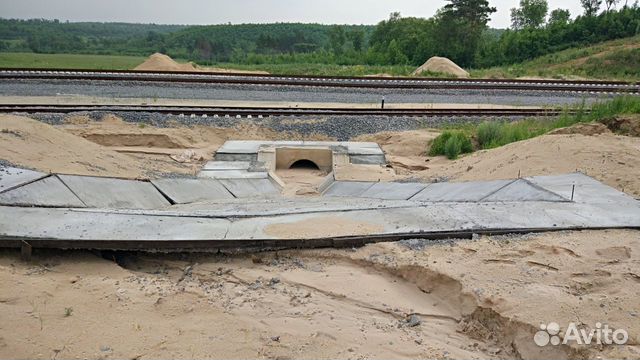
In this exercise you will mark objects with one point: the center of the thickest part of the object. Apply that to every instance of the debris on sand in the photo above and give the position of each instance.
(441, 65)
(583, 129)
(413, 320)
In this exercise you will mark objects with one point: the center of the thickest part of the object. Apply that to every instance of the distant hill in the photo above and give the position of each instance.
(209, 43)
(615, 59)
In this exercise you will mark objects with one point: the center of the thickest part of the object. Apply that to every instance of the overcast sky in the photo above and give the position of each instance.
(244, 11)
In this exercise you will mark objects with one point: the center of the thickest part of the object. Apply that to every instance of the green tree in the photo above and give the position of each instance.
(591, 7)
(460, 25)
(559, 17)
(611, 3)
(337, 38)
(357, 39)
(530, 15)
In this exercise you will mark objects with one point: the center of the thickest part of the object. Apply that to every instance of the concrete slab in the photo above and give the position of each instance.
(251, 157)
(460, 192)
(253, 146)
(522, 190)
(393, 191)
(368, 159)
(233, 174)
(244, 188)
(265, 206)
(185, 191)
(348, 188)
(227, 165)
(114, 193)
(241, 147)
(48, 192)
(587, 189)
(11, 177)
(67, 224)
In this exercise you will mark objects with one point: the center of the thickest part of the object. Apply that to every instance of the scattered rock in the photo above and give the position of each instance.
(256, 285)
(413, 320)
(275, 338)
(274, 280)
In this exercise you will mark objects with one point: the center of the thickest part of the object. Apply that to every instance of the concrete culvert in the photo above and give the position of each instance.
(304, 165)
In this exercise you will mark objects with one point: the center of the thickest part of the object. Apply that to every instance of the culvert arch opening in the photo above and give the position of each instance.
(304, 164)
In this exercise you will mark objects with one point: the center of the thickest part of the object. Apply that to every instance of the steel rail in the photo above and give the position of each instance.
(323, 81)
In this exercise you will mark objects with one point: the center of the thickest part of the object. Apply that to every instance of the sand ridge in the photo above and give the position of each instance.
(441, 65)
(162, 62)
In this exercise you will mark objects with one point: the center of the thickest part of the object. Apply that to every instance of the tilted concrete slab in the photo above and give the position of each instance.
(184, 191)
(11, 177)
(244, 188)
(255, 222)
(50, 192)
(233, 174)
(266, 206)
(227, 165)
(348, 188)
(587, 189)
(393, 191)
(368, 159)
(522, 190)
(114, 193)
(460, 192)
(51, 223)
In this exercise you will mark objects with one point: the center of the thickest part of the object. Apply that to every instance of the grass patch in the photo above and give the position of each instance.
(322, 69)
(491, 134)
(69, 61)
(451, 143)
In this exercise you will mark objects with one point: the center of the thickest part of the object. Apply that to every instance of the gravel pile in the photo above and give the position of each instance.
(341, 128)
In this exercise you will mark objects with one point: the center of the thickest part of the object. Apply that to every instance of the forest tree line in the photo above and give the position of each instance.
(458, 31)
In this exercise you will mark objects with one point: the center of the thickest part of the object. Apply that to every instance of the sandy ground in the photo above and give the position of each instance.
(112, 147)
(480, 298)
(350, 304)
(609, 158)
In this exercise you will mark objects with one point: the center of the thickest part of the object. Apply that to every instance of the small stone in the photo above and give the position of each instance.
(413, 320)
(105, 348)
(275, 338)
(273, 281)
(256, 285)
(418, 341)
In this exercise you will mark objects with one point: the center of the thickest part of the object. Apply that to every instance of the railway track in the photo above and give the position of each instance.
(259, 112)
(324, 81)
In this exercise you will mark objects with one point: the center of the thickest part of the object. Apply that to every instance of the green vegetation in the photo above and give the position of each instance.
(69, 61)
(451, 143)
(458, 31)
(492, 134)
(325, 69)
(616, 59)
